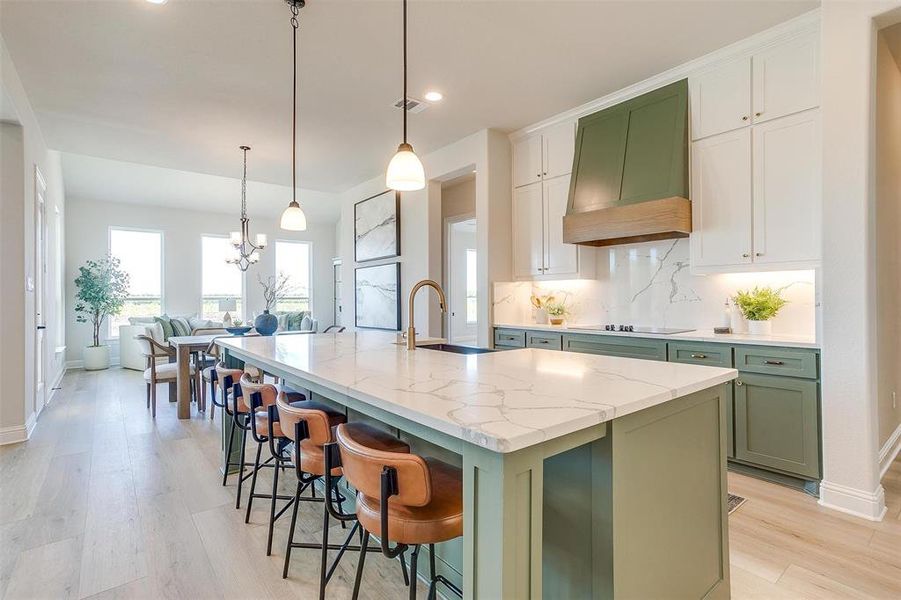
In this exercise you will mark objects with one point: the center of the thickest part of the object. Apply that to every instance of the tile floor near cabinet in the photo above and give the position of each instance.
(104, 502)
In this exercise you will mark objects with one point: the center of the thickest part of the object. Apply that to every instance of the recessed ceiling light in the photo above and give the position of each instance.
(434, 96)
(157, 1)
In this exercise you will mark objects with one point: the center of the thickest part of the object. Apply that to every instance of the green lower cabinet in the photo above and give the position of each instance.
(777, 424)
(627, 347)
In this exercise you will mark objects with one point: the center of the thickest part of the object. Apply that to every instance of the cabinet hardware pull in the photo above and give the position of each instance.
(699, 356)
(758, 253)
(745, 255)
(773, 362)
(738, 382)
(758, 114)
(744, 118)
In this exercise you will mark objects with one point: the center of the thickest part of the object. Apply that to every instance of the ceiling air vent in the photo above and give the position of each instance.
(413, 105)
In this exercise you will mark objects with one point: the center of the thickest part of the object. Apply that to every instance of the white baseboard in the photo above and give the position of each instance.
(18, 433)
(79, 364)
(867, 505)
(889, 451)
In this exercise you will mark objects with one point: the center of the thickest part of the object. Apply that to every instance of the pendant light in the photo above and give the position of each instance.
(246, 252)
(293, 218)
(405, 172)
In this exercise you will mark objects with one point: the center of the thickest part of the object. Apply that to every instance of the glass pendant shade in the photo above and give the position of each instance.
(405, 171)
(261, 240)
(293, 218)
(235, 238)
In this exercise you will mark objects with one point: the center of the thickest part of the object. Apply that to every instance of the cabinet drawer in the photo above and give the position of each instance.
(777, 361)
(614, 346)
(509, 338)
(546, 340)
(714, 355)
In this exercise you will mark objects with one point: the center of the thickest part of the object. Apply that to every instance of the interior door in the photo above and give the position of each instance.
(461, 282)
(40, 289)
(337, 311)
(528, 231)
(787, 187)
(560, 258)
(721, 200)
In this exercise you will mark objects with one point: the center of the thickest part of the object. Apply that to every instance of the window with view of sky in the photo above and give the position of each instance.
(140, 254)
(220, 280)
(293, 259)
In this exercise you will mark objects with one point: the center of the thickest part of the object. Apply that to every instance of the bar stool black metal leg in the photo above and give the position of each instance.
(272, 506)
(291, 530)
(403, 568)
(228, 453)
(241, 472)
(253, 482)
(414, 555)
(324, 559)
(363, 553)
(433, 580)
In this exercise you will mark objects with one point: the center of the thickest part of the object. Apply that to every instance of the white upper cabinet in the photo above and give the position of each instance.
(721, 200)
(559, 258)
(787, 195)
(786, 78)
(528, 231)
(544, 155)
(559, 142)
(527, 167)
(721, 99)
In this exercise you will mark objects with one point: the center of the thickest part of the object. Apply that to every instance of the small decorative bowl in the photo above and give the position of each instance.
(238, 330)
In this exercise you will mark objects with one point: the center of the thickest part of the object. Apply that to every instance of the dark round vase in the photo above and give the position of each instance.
(265, 324)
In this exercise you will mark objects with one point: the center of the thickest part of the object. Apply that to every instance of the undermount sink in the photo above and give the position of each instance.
(455, 349)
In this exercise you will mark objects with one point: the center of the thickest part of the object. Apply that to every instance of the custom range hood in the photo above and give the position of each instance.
(630, 172)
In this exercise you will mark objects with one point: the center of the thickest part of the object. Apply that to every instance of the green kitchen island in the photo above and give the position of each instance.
(584, 476)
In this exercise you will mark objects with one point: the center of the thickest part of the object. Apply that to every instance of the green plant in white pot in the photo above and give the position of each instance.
(556, 312)
(759, 306)
(101, 290)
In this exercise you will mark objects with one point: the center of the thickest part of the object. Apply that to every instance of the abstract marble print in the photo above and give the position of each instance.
(377, 299)
(377, 227)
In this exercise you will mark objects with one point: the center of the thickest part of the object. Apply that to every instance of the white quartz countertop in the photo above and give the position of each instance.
(698, 335)
(503, 401)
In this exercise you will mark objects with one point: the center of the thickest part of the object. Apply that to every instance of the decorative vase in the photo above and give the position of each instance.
(556, 320)
(266, 323)
(760, 327)
(540, 316)
(96, 358)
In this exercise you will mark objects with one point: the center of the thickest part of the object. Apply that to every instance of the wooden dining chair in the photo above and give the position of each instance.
(156, 373)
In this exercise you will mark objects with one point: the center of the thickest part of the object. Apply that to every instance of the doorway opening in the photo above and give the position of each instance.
(460, 260)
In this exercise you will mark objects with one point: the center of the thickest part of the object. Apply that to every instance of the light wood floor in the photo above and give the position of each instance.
(103, 502)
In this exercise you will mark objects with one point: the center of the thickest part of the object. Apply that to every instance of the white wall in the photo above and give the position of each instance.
(888, 242)
(87, 227)
(488, 152)
(23, 149)
(850, 430)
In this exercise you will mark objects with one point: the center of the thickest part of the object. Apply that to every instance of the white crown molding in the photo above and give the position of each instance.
(889, 451)
(806, 23)
(860, 503)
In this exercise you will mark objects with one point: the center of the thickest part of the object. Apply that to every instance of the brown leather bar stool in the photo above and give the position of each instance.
(311, 425)
(265, 428)
(228, 381)
(404, 499)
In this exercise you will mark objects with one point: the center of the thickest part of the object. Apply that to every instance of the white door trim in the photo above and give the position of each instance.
(39, 272)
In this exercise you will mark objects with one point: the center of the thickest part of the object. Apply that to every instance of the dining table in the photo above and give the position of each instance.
(184, 346)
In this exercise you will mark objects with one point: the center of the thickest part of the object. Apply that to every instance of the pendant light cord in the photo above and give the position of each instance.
(294, 12)
(244, 185)
(405, 72)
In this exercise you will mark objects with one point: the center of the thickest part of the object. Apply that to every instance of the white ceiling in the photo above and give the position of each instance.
(100, 179)
(182, 84)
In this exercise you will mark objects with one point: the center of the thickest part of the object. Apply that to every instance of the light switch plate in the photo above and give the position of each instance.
(29, 284)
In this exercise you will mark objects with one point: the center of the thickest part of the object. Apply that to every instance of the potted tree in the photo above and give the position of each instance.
(759, 306)
(102, 288)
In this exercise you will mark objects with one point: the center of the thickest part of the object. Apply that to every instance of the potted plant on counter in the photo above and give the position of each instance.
(101, 290)
(759, 306)
(273, 289)
(556, 312)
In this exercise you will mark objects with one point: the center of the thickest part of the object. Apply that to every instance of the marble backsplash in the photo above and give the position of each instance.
(651, 284)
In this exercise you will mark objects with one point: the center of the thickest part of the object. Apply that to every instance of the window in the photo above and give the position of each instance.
(472, 303)
(222, 282)
(140, 254)
(292, 259)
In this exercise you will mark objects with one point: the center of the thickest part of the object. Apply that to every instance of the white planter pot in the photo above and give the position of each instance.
(760, 327)
(541, 316)
(96, 358)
